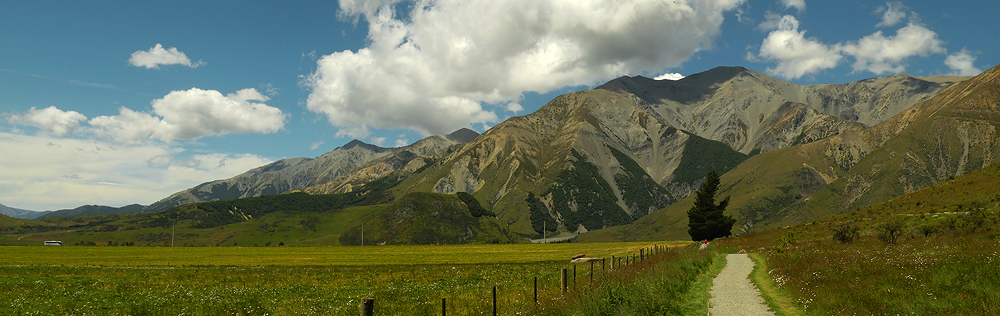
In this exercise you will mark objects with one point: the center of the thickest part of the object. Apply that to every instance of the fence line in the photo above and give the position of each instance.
(367, 306)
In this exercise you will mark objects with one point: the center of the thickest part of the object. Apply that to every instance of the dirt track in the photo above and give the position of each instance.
(732, 292)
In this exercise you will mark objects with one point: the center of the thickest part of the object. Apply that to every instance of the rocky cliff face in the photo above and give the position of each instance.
(337, 171)
(671, 132)
(950, 134)
(595, 157)
(278, 177)
(740, 107)
(403, 161)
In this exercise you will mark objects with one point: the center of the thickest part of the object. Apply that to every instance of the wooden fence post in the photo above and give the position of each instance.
(536, 290)
(562, 280)
(444, 307)
(367, 306)
(612, 262)
(591, 272)
(494, 300)
(574, 275)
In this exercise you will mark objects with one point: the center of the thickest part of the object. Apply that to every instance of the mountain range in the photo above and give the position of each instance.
(948, 135)
(20, 213)
(619, 161)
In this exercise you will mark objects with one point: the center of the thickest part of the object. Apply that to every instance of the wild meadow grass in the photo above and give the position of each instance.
(664, 284)
(404, 280)
(937, 275)
(270, 290)
(307, 256)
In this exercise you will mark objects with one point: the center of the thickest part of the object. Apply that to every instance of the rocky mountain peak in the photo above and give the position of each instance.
(357, 143)
(463, 135)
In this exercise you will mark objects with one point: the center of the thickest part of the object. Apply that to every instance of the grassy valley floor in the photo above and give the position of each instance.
(930, 252)
(405, 280)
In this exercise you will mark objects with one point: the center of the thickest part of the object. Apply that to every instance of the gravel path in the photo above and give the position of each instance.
(732, 292)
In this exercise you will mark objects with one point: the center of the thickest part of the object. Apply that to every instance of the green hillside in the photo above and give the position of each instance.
(950, 134)
(427, 219)
(273, 220)
(938, 244)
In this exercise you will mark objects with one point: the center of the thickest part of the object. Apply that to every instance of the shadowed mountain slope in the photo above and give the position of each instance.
(950, 134)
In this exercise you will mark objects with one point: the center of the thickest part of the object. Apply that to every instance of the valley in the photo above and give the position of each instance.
(808, 183)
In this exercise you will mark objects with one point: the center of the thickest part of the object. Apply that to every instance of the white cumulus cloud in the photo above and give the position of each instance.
(49, 173)
(378, 141)
(892, 14)
(514, 107)
(961, 63)
(402, 142)
(799, 5)
(795, 54)
(192, 114)
(670, 76)
(157, 55)
(447, 64)
(51, 120)
(880, 54)
(315, 145)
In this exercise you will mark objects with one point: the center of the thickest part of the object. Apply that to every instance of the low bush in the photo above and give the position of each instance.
(890, 231)
(846, 233)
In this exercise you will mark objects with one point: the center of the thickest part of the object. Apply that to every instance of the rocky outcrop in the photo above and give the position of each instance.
(950, 134)
(740, 107)
(278, 177)
(674, 131)
(403, 161)
(337, 171)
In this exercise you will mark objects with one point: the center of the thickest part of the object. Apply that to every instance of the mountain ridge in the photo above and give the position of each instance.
(21, 213)
(949, 134)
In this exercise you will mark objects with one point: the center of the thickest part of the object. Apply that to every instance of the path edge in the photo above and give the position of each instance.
(777, 300)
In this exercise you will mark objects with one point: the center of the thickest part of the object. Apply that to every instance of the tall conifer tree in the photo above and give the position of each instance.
(706, 219)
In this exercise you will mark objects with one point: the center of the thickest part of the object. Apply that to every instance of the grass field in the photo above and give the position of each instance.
(312, 256)
(405, 280)
(944, 261)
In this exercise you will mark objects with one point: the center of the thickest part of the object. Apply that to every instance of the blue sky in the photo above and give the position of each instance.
(129, 101)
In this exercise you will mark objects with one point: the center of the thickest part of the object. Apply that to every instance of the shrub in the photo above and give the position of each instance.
(788, 239)
(475, 208)
(927, 229)
(846, 233)
(890, 231)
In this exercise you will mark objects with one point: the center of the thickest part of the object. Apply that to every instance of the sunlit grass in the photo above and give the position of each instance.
(300, 256)
(404, 280)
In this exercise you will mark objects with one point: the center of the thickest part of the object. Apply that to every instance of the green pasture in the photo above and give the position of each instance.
(404, 280)
(312, 256)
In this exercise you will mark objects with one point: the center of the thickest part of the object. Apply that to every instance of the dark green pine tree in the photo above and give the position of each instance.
(706, 219)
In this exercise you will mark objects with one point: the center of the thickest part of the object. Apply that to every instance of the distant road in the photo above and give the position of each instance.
(552, 239)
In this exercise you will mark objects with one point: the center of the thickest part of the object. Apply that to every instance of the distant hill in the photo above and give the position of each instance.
(95, 210)
(428, 219)
(324, 173)
(282, 219)
(20, 213)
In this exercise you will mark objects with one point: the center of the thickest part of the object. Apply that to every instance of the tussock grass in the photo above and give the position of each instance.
(941, 261)
(696, 300)
(404, 280)
(947, 275)
(313, 256)
(776, 298)
(658, 285)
